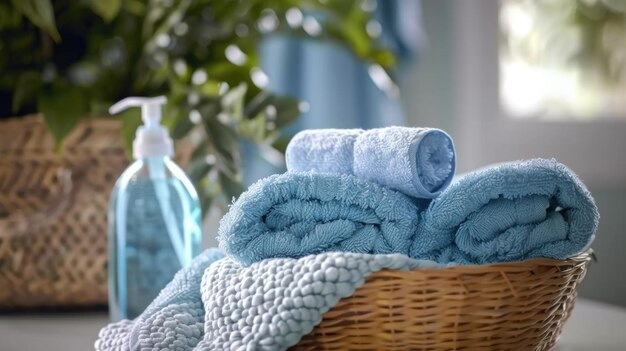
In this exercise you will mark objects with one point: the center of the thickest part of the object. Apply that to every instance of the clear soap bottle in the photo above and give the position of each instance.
(154, 217)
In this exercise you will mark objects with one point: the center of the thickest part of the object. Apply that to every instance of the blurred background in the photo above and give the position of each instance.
(507, 79)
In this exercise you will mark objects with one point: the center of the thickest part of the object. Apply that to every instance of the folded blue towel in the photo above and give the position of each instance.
(419, 162)
(298, 214)
(509, 212)
(269, 305)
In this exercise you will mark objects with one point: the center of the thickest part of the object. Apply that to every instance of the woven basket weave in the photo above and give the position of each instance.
(505, 306)
(53, 208)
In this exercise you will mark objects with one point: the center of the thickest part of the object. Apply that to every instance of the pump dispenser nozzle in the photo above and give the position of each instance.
(151, 139)
(150, 108)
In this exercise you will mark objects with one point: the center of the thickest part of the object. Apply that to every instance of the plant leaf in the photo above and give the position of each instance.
(233, 101)
(27, 86)
(226, 144)
(197, 170)
(131, 120)
(181, 126)
(232, 188)
(287, 110)
(63, 108)
(41, 14)
(355, 34)
(208, 190)
(210, 88)
(281, 143)
(176, 118)
(384, 57)
(254, 128)
(107, 9)
(206, 201)
(257, 104)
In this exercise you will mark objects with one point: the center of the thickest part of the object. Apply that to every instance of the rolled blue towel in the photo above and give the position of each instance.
(509, 212)
(322, 151)
(298, 214)
(419, 162)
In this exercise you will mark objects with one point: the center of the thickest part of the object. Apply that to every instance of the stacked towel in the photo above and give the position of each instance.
(509, 212)
(298, 214)
(419, 162)
(269, 305)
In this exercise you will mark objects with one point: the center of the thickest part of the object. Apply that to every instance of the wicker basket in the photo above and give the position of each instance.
(53, 208)
(506, 306)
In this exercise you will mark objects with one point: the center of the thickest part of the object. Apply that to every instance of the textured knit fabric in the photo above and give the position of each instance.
(419, 162)
(509, 212)
(298, 214)
(269, 305)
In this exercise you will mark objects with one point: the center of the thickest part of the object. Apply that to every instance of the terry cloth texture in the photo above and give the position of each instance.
(299, 214)
(509, 212)
(419, 162)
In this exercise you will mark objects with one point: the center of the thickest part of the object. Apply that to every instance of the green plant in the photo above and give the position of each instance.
(72, 59)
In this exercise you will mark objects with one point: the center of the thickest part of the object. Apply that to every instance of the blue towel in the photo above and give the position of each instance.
(322, 151)
(269, 305)
(509, 212)
(298, 214)
(419, 162)
(173, 321)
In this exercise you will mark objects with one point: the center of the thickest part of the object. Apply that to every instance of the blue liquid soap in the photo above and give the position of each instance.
(142, 257)
(154, 223)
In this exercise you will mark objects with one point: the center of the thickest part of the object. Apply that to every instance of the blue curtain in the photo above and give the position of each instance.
(337, 86)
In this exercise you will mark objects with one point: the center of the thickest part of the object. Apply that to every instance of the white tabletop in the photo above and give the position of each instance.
(593, 326)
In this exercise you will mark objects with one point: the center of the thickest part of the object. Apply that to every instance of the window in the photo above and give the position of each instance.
(491, 131)
(562, 59)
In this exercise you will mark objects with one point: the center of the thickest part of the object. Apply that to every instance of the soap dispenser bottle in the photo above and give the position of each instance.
(154, 217)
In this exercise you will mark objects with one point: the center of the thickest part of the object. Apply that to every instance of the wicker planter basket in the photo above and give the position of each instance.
(53, 212)
(505, 306)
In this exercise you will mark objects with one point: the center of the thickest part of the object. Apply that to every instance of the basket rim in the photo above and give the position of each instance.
(580, 257)
(503, 306)
(515, 266)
